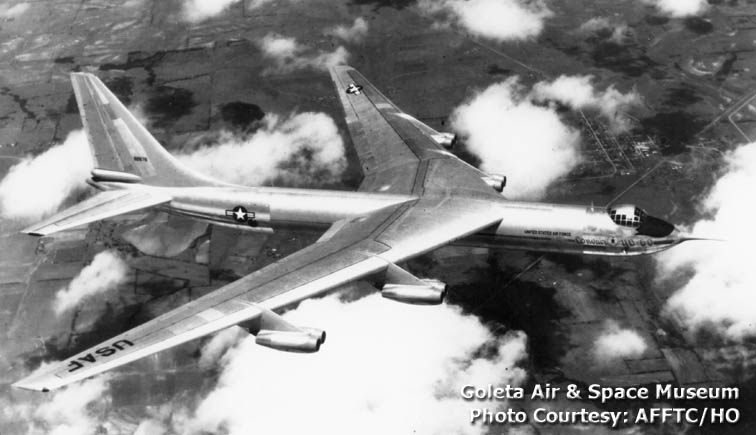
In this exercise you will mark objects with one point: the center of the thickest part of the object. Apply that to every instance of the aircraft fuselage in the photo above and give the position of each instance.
(532, 226)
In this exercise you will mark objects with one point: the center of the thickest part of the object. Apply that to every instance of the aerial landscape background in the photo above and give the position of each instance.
(574, 102)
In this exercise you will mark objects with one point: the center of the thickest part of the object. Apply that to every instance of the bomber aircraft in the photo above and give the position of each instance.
(416, 196)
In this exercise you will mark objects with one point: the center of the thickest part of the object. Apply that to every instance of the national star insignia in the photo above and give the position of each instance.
(239, 213)
(354, 89)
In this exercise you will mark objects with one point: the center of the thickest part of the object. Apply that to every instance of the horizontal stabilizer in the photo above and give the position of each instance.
(101, 206)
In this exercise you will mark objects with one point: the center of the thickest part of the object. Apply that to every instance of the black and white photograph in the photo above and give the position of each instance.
(420, 217)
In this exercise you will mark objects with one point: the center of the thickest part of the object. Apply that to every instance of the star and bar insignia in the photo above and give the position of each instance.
(240, 214)
(354, 89)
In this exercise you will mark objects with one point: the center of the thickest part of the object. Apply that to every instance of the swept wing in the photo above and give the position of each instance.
(396, 151)
(365, 245)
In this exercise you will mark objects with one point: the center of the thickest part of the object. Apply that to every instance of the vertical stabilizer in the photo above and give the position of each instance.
(120, 143)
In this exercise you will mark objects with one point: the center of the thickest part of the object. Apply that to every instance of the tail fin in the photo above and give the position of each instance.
(119, 143)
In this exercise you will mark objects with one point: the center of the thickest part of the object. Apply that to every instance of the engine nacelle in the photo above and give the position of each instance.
(316, 333)
(496, 181)
(114, 176)
(290, 341)
(446, 140)
(431, 294)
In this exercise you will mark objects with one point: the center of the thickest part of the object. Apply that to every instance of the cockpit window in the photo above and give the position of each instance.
(627, 216)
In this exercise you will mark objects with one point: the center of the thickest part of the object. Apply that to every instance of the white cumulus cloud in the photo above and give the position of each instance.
(679, 8)
(355, 33)
(514, 137)
(500, 20)
(219, 344)
(74, 410)
(104, 273)
(289, 55)
(301, 149)
(719, 292)
(37, 186)
(617, 31)
(377, 375)
(578, 92)
(13, 11)
(199, 10)
(615, 343)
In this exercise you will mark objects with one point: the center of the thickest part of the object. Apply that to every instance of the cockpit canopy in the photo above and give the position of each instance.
(628, 215)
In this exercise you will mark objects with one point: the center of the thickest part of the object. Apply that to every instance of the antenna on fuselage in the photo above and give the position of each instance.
(634, 183)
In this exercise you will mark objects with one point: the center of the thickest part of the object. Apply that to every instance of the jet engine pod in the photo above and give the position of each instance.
(496, 181)
(432, 294)
(289, 341)
(446, 140)
(114, 176)
(318, 334)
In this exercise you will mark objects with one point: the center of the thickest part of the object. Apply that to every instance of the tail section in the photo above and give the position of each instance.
(121, 144)
(126, 155)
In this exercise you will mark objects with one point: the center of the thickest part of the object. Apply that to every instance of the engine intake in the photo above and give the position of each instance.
(291, 341)
(446, 140)
(496, 181)
(432, 293)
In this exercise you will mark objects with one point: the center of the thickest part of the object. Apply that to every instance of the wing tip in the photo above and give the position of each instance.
(36, 230)
(29, 384)
(33, 231)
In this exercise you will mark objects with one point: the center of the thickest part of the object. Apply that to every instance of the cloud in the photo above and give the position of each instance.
(595, 24)
(67, 412)
(356, 33)
(679, 8)
(151, 427)
(37, 186)
(301, 149)
(514, 137)
(615, 343)
(720, 279)
(616, 31)
(289, 55)
(500, 20)
(377, 375)
(106, 271)
(74, 410)
(195, 11)
(219, 345)
(13, 11)
(578, 92)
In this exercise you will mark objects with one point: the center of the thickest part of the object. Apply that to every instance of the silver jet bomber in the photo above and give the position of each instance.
(416, 196)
